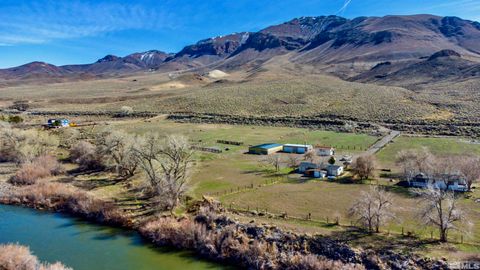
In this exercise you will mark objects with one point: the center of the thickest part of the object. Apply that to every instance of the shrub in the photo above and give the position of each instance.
(13, 257)
(65, 198)
(231, 243)
(28, 174)
(50, 163)
(41, 167)
(24, 145)
(85, 154)
(15, 119)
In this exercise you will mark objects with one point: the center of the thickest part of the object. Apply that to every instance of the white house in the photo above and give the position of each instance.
(325, 151)
(305, 166)
(334, 170)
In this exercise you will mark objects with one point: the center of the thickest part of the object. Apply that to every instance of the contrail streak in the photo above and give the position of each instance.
(344, 7)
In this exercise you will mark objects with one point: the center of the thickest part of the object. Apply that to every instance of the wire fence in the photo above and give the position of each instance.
(322, 221)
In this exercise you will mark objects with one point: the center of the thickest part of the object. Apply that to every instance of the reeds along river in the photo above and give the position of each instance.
(55, 237)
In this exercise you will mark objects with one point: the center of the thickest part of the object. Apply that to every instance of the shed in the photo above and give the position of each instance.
(297, 148)
(325, 151)
(265, 149)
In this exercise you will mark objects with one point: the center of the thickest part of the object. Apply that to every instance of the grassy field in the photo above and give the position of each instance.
(245, 181)
(438, 146)
(234, 168)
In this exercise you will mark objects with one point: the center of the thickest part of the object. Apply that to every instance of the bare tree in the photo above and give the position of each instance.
(86, 155)
(414, 162)
(309, 156)
(293, 161)
(440, 209)
(364, 166)
(372, 209)
(275, 161)
(470, 170)
(119, 150)
(406, 159)
(168, 165)
(24, 145)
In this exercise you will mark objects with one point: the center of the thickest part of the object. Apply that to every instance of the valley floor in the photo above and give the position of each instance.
(253, 190)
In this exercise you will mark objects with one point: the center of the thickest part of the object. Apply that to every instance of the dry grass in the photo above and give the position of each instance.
(62, 197)
(233, 245)
(39, 168)
(16, 257)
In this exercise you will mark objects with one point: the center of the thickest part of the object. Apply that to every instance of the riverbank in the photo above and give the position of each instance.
(13, 257)
(210, 233)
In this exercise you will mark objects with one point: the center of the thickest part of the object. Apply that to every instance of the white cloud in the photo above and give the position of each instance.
(48, 20)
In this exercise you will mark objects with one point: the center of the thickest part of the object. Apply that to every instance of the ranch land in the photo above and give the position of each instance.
(253, 190)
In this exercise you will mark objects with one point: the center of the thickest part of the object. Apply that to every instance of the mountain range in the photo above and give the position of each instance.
(392, 50)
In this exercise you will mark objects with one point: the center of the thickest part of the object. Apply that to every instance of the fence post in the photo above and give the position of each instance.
(327, 220)
(431, 234)
(402, 230)
(461, 239)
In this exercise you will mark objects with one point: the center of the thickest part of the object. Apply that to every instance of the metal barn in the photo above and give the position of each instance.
(265, 149)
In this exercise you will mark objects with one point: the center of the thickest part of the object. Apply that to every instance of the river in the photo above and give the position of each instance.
(81, 245)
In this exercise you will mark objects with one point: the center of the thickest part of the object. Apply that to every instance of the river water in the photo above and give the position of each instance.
(81, 245)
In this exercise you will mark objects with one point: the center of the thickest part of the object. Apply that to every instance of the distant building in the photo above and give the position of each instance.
(305, 166)
(297, 148)
(325, 151)
(265, 149)
(316, 173)
(313, 169)
(423, 181)
(334, 170)
(58, 122)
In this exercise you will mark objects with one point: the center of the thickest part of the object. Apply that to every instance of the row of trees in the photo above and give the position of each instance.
(440, 168)
(166, 162)
(437, 207)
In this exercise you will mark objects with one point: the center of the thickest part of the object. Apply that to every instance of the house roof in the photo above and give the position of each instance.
(267, 145)
(325, 147)
(297, 145)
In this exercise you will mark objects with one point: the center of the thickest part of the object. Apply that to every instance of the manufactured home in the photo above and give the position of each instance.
(305, 166)
(422, 181)
(265, 149)
(310, 168)
(316, 173)
(297, 148)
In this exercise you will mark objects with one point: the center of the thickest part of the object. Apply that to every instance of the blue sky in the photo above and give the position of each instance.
(74, 32)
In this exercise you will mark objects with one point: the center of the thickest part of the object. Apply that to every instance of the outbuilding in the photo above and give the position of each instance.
(58, 122)
(297, 148)
(325, 151)
(265, 149)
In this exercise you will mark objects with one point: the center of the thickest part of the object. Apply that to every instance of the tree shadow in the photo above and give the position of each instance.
(90, 184)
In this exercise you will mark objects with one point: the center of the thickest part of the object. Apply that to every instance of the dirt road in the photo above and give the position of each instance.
(381, 143)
